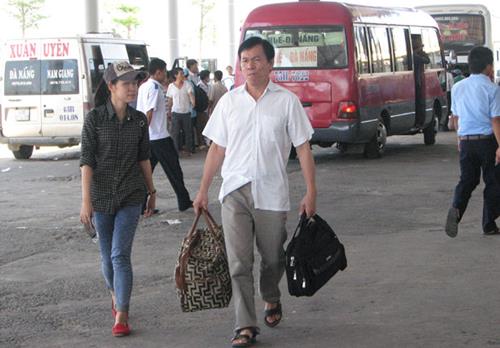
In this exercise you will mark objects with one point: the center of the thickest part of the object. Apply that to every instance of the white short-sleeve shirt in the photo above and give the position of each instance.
(257, 136)
(181, 103)
(151, 97)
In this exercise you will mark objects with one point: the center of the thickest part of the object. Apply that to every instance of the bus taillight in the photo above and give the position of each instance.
(348, 110)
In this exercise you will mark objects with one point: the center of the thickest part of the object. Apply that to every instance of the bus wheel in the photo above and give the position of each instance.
(24, 152)
(430, 132)
(375, 148)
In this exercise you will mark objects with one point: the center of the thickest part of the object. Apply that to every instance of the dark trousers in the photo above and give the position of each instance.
(163, 151)
(182, 122)
(477, 156)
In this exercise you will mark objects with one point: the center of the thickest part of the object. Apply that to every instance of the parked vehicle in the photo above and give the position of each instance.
(352, 68)
(48, 86)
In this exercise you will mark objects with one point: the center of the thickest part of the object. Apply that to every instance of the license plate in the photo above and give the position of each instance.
(22, 114)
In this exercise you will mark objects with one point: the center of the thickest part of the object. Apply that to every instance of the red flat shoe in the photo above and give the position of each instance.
(120, 330)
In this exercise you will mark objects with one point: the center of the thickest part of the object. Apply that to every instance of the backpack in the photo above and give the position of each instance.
(200, 98)
(313, 256)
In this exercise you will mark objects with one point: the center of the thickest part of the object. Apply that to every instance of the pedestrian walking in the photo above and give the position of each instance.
(116, 171)
(420, 58)
(216, 91)
(252, 129)
(228, 81)
(476, 109)
(180, 99)
(151, 101)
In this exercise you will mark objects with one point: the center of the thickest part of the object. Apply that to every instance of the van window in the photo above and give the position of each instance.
(60, 76)
(401, 44)
(306, 47)
(137, 55)
(22, 77)
(381, 53)
(431, 47)
(362, 62)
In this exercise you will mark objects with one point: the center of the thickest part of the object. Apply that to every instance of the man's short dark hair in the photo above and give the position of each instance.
(190, 63)
(204, 74)
(176, 71)
(156, 64)
(255, 41)
(479, 59)
(218, 75)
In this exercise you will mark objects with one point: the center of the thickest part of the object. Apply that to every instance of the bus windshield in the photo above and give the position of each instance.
(461, 30)
(305, 47)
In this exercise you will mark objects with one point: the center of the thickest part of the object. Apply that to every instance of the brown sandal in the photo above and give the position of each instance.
(273, 312)
(246, 340)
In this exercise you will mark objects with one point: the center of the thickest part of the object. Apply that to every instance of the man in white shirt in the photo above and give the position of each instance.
(228, 81)
(180, 100)
(252, 129)
(151, 101)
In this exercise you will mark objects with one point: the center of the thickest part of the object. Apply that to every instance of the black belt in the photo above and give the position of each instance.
(475, 137)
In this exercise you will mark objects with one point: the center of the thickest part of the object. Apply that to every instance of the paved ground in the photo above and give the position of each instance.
(407, 283)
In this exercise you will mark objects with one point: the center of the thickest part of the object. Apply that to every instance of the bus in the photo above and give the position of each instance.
(352, 68)
(464, 27)
(47, 86)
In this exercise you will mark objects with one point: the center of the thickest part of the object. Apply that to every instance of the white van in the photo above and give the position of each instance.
(48, 85)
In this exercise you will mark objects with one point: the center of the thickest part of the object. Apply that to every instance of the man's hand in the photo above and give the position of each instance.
(308, 205)
(150, 205)
(86, 213)
(200, 202)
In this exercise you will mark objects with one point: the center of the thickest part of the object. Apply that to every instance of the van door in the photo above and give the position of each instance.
(61, 101)
(21, 99)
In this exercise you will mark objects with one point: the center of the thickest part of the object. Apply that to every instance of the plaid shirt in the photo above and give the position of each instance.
(113, 150)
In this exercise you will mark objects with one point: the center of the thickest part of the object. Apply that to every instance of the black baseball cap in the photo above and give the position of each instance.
(120, 71)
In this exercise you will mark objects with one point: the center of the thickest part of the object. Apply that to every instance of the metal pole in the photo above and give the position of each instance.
(173, 30)
(232, 44)
(91, 16)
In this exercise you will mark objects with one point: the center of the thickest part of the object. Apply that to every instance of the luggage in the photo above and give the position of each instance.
(202, 273)
(313, 256)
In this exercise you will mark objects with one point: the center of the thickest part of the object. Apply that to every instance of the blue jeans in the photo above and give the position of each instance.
(116, 235)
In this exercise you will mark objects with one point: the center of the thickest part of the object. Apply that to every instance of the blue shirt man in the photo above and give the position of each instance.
(476, 106)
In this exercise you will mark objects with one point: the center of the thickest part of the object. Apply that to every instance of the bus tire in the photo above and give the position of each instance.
(375, 148)
(430, 132)
(24, 152)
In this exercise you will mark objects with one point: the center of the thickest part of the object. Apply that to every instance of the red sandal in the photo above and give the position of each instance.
(120, 330)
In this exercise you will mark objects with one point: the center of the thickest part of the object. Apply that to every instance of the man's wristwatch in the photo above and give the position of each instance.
(152, 192)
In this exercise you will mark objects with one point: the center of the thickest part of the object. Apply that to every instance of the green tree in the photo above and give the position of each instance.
(27, 13)
(206, 6)
(129, 18)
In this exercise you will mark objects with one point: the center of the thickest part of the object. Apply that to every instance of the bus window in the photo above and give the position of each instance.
(306, 47)
(362, 63)
(401, 44)
(381, 53)
(431, 47)
(137, 55)
(22, 77)
(60, 76)
(95, 63)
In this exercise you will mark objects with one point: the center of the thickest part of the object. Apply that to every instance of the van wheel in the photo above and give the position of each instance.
(24, 152)
(375, 148)
(430, 132)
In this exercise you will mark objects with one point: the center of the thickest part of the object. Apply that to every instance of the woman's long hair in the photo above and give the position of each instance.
(102, 94)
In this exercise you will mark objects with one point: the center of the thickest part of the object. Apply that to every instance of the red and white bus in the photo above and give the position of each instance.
(352, 68)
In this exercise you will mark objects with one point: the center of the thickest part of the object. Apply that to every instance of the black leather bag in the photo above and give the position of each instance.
(313, 256)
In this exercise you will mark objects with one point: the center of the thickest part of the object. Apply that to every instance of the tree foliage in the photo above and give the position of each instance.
(27, 12)
(128, 18)
(205, 6)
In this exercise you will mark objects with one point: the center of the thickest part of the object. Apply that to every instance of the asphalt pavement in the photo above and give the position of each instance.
(407, 284)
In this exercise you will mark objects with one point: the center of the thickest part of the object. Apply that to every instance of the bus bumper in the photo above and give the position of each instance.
(40, 141)
(340, 132)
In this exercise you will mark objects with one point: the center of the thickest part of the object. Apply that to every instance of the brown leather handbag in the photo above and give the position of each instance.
(202, 273)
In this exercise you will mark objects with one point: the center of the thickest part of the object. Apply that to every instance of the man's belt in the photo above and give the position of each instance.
(475, 137)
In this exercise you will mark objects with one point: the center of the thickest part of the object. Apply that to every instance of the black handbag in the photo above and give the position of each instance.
(313, 256)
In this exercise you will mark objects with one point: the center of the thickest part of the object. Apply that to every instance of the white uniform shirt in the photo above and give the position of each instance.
(151, 96)
(181, 103)
(257, 136)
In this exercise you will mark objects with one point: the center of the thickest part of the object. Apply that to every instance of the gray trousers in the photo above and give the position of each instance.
(243, 224)
(182, 122)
